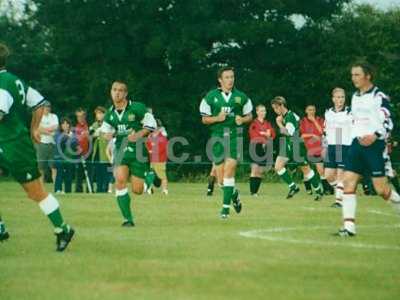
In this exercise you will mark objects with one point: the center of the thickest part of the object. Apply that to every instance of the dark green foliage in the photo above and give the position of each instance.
(169, 52)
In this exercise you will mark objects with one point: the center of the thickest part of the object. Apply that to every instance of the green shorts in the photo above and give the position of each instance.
(19, 157)
(138, 164)
(295, 156)
(223, 149)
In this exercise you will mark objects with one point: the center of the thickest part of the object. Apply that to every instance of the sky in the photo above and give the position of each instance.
(381, 3)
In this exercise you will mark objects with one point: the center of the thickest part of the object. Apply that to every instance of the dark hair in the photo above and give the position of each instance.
(367, 68)
(80, 109)
(121, 81)
(159, 123)
(65, 120)
(224, 69)
(4, 54)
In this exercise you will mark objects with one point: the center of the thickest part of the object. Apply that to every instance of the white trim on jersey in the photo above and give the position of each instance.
(106, 128)
(149, 122)
(248, 107)
(6, 101)
(205, 108)
(33, 98)
(290, 129)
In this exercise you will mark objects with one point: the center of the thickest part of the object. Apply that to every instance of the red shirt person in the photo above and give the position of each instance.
(312, 130)
(260, 133)
(157, 145)
(82, 132)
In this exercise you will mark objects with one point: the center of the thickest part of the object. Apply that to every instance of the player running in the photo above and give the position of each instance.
(129, 122)
(17, 153)
(371, 112)
(338, 123)
(292, 150)
(225, 110)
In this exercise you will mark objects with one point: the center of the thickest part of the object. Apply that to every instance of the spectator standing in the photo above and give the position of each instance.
(66, 144)
(83, 151)
(100, 163)
(45, 150)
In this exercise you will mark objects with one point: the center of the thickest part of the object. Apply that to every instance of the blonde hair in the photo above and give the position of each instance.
(338, 89)
(279, 100)
(260, 106)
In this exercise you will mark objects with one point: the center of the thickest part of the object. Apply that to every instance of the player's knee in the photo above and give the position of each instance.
(137, 190)
(120, 184)
(380, 189)
(36, 195)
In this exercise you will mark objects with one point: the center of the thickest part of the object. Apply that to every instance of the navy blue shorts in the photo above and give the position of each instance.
(366, 160)
(335, 156)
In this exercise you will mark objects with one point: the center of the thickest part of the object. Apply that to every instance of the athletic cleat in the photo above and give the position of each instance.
(157, 181)
(318, 197)
(345, 233)
(224, 216)
(309, 192)
(4, 236)
(254, 195)
(336, 205)
(293, 191)
(63, 239)
(237, 205)
(209, 193)
(128, 224)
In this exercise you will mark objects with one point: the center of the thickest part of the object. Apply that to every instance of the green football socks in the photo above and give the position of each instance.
(124, 203)
(51, 209)
(285, 176)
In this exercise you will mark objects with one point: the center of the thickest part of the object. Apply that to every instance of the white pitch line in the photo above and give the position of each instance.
(266, 234)
(378, 212)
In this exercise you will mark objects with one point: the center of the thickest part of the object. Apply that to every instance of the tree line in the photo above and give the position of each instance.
(169, 51)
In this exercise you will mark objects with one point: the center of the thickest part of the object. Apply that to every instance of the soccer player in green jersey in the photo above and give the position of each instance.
(225, 110)
(129, 122)
(293, 149)
(17, 153)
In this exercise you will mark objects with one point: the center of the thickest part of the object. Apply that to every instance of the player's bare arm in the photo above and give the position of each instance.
(35, 123)
(135, 136)
(208, 120)
(243, 120)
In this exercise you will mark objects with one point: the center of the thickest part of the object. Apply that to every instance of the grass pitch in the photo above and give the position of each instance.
(180, 249)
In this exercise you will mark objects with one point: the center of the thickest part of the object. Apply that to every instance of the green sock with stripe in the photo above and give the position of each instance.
(229, 187)
(285, 176)
(124, 203)
(51, 209)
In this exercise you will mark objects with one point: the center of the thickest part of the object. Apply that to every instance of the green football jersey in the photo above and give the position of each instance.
(291, 121)
(234, 104)
(134, 118)
(16, 99)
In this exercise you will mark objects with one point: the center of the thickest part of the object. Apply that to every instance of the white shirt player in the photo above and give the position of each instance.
(338, 126)
(371, 114)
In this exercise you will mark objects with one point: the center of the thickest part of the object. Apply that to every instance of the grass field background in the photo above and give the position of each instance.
(180, 249)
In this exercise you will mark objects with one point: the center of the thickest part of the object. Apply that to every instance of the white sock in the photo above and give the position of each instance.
(349, 211)
(395, 200)
(49, 205)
